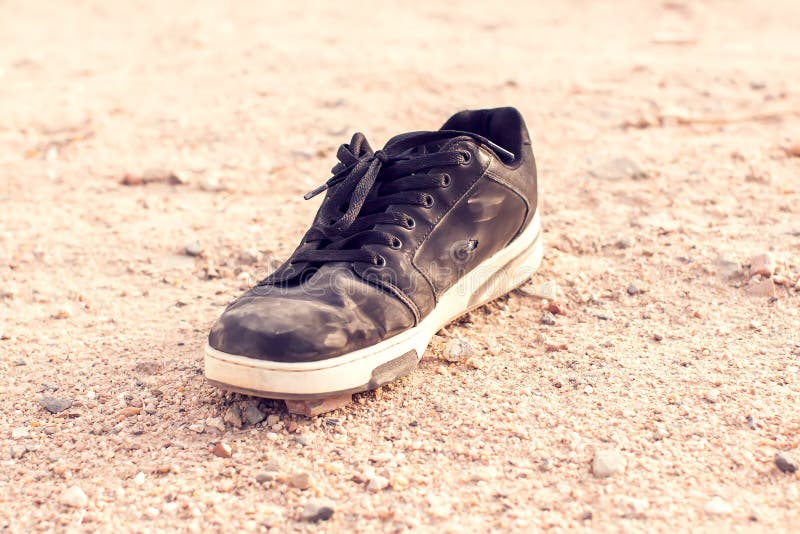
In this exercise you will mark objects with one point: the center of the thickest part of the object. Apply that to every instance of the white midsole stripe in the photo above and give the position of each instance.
(355, 369)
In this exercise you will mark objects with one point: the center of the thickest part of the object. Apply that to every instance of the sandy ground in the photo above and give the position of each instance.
(666, 351)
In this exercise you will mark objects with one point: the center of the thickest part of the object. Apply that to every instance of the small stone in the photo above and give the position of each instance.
(253, 414)
(727, 266)
(300, 481)
(151, 513)
(197, 427)
(546, 291)
(216, 422)
(273, 419)
(763, 288)
(712, 396)
(193, 248)
(20, 433)
(623, 243)
(660, 433)
(222, 449)
(74, 497)
(632, 290)
(261, 478)
(139, 478)
(377, 483)
(608, 463)
(314, 407)
(148, 368)
(318, 510)
(250, 256)
(19, 362)
(303, 439)
(55, 404)
(17, 451)
(619, 169)
(546, 465)
(548, 318)
(793, 150)
(717, 506)
(762, 264)
(211, 184)
(64, 312)
(130, 411)
(458, 349)
(657, 337)
(787, 462)
(233, 416)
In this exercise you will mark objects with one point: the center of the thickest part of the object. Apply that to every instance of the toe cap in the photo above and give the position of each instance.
(339, 314)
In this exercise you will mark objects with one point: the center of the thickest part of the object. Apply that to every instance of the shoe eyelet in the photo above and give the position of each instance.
(446, 180)
(379, 261)
(428, 201)
(466, 155)
(396, 244)
(410, 223)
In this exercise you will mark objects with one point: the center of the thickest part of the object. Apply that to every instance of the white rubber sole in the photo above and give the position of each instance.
(370, 367)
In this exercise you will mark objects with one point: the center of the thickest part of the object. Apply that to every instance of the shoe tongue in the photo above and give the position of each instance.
(440, 145)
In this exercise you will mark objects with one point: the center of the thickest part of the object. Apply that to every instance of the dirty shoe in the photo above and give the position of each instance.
(407, 239)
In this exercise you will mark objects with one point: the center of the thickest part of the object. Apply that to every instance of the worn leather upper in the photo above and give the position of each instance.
(340, 307)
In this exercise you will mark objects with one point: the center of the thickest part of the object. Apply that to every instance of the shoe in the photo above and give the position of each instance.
(407, 239)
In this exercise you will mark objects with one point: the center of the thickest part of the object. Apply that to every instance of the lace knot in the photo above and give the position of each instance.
(381, 156)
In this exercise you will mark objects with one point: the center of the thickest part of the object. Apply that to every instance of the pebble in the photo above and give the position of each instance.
(619, 169)
(608, 463)
(261, 478)
(273, 419)
(19, 362)
(548, 318)
(222, 449)
(300, 481)
(546, 291)
(458, 349)
(55, 404)
(193, 248)
(712, 396)
(717, 506)
(762, 264)
(233, 416)
(253, 414)
(151, 513)
(250, 256)
(318, 510)
(763, 288)
(216, 422)
(727, 266)
(74, 497)
(211, 184)
(64, 312)
(632, 290)
(623, 243)
(20, 433)
(197, 427)
(793, 150)
(377, 483)
(18, 451)
(303, 439)
(660, 433)
(139, 478)
(787, 462)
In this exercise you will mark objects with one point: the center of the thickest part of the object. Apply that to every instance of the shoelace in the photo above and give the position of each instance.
(356, 204)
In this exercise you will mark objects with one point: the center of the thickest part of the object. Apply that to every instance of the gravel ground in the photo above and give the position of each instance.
(153, 159)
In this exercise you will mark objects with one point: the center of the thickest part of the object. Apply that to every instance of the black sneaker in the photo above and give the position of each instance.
(407, 239)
